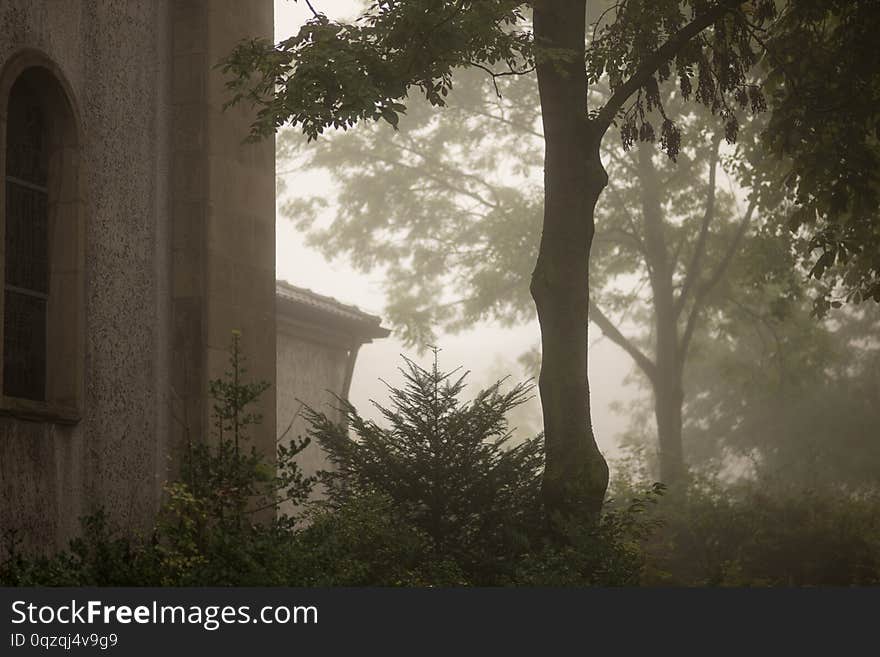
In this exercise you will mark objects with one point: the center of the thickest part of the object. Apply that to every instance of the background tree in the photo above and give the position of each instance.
(786, 401)
(415, 204)
(333, 75)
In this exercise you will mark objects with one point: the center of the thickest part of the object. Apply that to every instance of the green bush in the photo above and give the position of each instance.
(439, 497)
(99, 557)
(446, 467)
(760, 535)
(367, 543)
(218, 523)
(469, 500)
(608, 554)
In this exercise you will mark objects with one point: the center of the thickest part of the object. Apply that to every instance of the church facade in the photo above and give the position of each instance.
(137, 231)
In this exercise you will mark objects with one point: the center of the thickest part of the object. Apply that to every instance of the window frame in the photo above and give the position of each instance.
(65, 314)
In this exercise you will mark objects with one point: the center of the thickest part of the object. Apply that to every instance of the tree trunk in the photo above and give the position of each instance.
(668, 399)
(668, 394)
(576, 475)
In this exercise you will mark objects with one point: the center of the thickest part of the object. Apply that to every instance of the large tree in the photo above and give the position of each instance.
(334, 75)
(456, 245)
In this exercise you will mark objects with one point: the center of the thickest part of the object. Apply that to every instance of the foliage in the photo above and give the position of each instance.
(378, 530)
(787, 398)
(607, 554)
(446, 466)
(218, 523)
(99, 557)
(228, 476)
(824, 93)
(474, 518)
(711, 48)
(367, 542)
(761, 535)
(652, 42)
(419, 205)
(334, 74)
(214, 521)
(452, 202)
(448, 202)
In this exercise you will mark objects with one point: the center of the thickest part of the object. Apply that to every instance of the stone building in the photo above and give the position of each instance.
(318, 343)
(136, 232)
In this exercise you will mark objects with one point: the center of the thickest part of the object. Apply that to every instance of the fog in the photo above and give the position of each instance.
(686, 194)
(489, 350)
(715, 345)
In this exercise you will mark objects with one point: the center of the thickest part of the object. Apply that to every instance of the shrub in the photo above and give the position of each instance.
(751, 535)
(609, 553)
(439, 497)
(367, 543)
(213, 527)
(446, 467)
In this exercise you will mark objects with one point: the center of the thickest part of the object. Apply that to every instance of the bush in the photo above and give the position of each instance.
(608, 554)
(750, 535)
(439, 497)
(98, 557)
(218, 524)
(367, 543)
(446, 467)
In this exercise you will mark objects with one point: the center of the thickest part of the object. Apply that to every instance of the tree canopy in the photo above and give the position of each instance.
(451, 202)
(334, 75)
(824, 94)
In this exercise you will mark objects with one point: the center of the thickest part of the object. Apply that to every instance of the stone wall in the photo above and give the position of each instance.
(223, 217)
(317, 344)
(179, 250)
(113, 60)
(310, 371)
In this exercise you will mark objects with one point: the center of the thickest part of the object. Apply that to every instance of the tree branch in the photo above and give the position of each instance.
(639, 243)
(441, 180)
(494, 75)
(663, 54)
(501, 119)
(625, 164)
(611, 332)
(693, 270)
(714, 279)
(314, 13)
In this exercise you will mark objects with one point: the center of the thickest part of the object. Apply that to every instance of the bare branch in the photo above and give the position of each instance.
(693, 270)
(714, 279)
(314, 13)
(612, 333)
(496, 74)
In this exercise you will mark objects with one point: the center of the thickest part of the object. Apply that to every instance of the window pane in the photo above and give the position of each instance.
(27, 240)
(26, 151)
(26, 246)
(24, 346)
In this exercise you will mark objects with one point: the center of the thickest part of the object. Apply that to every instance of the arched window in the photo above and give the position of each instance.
(42, 245)
(26, 284)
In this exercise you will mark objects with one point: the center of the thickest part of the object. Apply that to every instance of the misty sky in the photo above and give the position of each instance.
(488, 350)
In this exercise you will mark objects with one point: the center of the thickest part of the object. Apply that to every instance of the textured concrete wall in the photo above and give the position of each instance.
(310, 370)
(179, 250)
(114, 57)
(223, 216)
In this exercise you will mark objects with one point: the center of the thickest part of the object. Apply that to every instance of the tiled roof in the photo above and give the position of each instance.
(330, 310)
